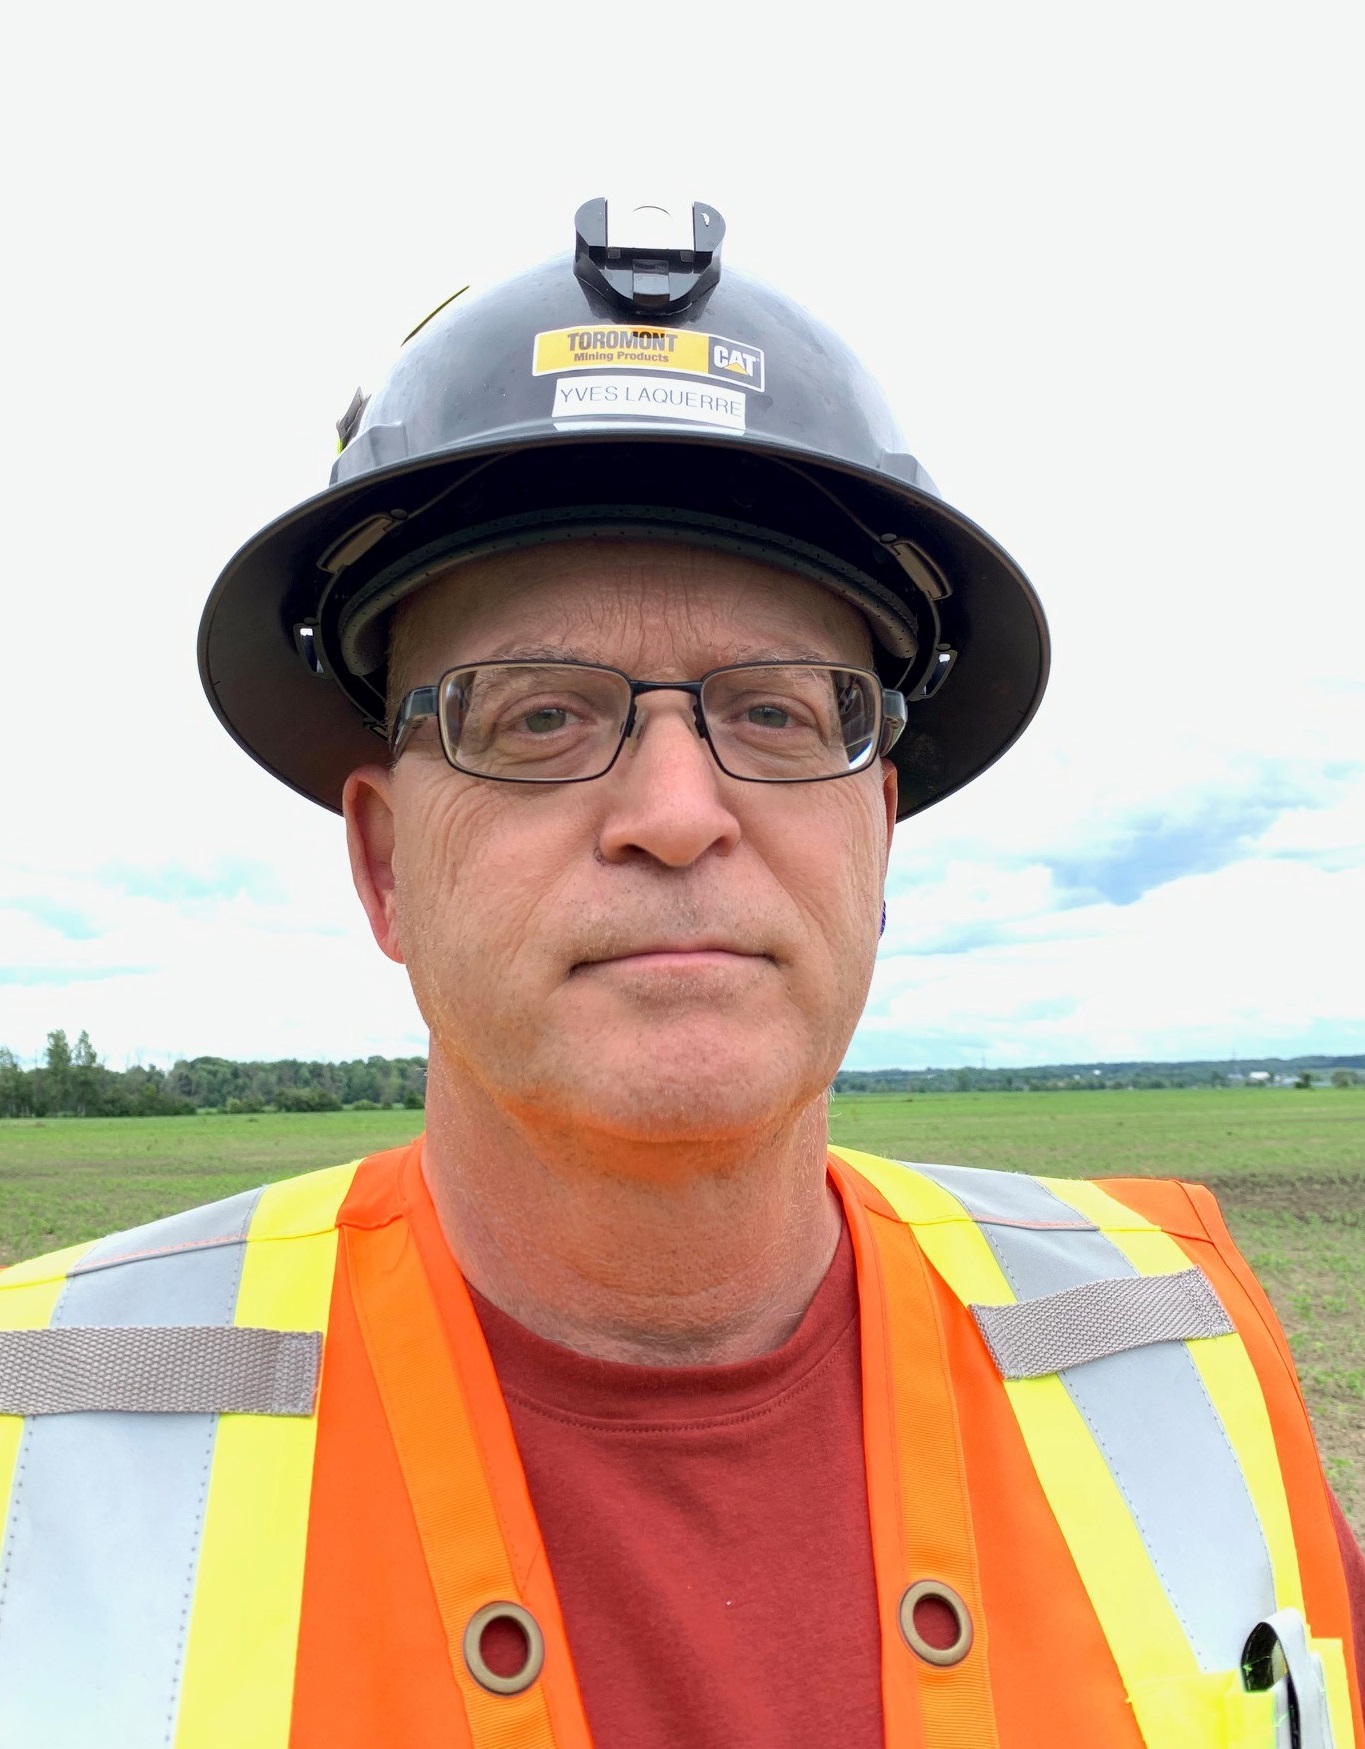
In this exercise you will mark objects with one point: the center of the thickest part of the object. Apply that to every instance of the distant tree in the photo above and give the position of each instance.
(1305, 1078)
(57, 1062)
(1343, 1078)
(85, 1078)
(16, 1087)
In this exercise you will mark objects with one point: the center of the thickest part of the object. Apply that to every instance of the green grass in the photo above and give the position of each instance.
(1288, 1166)
(1208, 1134)
(67, 1179)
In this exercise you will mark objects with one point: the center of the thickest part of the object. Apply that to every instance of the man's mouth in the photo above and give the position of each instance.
(664, 955)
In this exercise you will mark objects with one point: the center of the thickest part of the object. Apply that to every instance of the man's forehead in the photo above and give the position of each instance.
(567, 601)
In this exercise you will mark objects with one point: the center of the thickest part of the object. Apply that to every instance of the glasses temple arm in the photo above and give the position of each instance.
(893, 719)
(416, 709)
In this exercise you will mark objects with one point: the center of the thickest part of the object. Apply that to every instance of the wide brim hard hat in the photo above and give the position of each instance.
(476, 444)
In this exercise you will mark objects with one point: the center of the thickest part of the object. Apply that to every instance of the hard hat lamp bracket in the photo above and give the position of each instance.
(931, 681)
(654, 259)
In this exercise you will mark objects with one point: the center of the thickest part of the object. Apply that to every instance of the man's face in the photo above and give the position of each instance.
(662, 953)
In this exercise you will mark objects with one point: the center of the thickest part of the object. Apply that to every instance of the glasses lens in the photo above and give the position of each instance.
(533, 722)
(791, 723)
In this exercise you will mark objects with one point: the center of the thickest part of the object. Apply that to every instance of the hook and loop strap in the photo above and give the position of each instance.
(1034, 1337)
(185, 1369)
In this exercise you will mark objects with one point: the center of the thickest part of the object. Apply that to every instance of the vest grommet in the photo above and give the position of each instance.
(935, 1591)
(478, 1665)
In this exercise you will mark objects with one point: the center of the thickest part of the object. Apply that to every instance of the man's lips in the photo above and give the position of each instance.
(671, 955)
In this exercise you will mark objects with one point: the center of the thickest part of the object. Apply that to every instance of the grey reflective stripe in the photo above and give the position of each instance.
(1097, 1318)
(102, 1541)
(1148, 1413)
(196, 1369)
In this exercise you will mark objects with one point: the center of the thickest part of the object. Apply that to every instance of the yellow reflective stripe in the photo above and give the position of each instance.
(28, 1297)
(1150, 1647)
(1235, 1391)
(238, 1682)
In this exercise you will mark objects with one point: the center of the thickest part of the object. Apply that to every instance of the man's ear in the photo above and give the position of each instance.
(367, 802)
(890, 795)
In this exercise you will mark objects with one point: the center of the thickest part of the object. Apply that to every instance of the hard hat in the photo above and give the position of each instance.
(631, 390)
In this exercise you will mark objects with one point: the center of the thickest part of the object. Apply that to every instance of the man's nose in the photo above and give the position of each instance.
(666, 794)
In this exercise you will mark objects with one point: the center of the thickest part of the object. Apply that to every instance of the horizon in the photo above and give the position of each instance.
(1311, 1059)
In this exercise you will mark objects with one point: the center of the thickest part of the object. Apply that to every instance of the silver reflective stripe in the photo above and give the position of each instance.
(1148, 1413)
(1085, 1323)
(197, 1369)
(102, 1541)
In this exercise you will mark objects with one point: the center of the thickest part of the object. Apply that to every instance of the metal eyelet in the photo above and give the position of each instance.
(473, 1648)
(936, 1590)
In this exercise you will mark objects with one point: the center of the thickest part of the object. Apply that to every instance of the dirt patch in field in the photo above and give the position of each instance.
(1336, 1198)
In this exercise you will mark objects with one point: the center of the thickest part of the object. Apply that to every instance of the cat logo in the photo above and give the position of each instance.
(745, 362)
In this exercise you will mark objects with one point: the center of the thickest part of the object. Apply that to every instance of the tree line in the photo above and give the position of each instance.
(71, 1081)
(1096, 1077)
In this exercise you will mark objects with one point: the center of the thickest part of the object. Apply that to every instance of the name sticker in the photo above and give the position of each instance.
(649, 397)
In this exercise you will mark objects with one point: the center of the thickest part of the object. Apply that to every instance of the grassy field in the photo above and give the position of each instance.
(1288, 1167)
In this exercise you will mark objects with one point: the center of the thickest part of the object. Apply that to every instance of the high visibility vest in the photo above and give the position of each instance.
(158, 1419)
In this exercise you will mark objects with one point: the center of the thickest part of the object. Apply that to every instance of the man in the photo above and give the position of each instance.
(643, 1419)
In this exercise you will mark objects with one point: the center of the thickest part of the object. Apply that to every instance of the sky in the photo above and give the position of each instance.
(1106, 262)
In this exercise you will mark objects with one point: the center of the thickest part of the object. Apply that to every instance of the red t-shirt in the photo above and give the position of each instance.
(707, 1529)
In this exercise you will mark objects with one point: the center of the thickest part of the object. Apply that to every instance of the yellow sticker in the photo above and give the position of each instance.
(636, 345)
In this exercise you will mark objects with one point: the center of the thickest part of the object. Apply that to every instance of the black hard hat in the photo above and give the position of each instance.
(630, 390)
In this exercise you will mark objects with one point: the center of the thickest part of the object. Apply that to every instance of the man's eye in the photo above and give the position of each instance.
(769, 716)
(546, 720)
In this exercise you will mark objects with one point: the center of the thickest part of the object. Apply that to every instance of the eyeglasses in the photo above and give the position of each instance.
(566, 722)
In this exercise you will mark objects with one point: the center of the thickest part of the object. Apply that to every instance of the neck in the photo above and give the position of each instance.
(654, 1254)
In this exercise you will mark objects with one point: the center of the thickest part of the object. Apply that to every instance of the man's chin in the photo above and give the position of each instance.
(684, 1084)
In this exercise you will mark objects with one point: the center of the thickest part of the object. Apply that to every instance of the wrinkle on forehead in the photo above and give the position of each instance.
(664, 608)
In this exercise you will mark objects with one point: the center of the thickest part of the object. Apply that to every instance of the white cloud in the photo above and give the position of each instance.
(1261, 955)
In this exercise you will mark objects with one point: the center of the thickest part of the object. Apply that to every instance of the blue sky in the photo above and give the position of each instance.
(1095, 255)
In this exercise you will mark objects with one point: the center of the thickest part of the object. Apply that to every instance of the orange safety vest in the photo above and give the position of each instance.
(1077, 1403)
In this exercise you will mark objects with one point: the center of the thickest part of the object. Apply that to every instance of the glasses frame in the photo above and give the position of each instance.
(422, 704)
